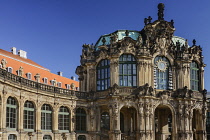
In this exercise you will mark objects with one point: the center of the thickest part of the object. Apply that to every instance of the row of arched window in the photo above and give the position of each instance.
(46, 137)
(128, 73)
(46, 116)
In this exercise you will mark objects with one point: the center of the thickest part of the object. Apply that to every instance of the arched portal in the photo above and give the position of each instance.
(197, 126)
(163, 123)
(128, 122)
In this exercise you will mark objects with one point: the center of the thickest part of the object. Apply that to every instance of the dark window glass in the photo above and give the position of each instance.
(127, 70)
(46, 117)
(103, 75)
(11, 119)
(80, 120)
(208, 124)
(29, 115)
(105, 121)
(47, 137)
(12, 137)
(82, 137)
(194, 76)
(63, 118)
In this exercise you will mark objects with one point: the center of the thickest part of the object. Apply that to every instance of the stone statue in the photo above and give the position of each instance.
(4, 63)
(21, 72)
(54, 82)
(37, 77)
(161, 11)
(72, 86)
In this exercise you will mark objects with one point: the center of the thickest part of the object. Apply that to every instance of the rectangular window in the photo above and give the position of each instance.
(29, 76)
(67, 86)
(45, 80)
(9, 69)
(59, 84)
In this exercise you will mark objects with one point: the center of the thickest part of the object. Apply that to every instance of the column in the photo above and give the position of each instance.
(141, 122)
(114, 70)
(115, 133)
(38, 122)
(55, 122)
(147, 120)
(20, 118)
(72, 123)
(3, 116)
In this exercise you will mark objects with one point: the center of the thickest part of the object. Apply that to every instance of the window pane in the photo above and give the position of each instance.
(127, 69)
(103, 74)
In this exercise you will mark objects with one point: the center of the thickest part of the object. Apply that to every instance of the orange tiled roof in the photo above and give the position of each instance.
(29, 66)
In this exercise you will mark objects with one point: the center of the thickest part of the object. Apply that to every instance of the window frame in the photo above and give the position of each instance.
(11, 135)
(46, 117)
(63, 119)
(29, 76)
(105, 120)
(45, 80)
(59, 84)
(81, 120)
(49, 137)
(162, 75)
(68, 86)
(194, 76)
(30, 114)
(103, 75)
(9, 69)
(11, 111)
(127, 70)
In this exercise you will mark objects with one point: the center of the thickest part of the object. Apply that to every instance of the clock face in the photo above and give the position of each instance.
(162, 65)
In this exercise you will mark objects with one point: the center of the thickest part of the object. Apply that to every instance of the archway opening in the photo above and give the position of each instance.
(197, 124)
(163, 123)
(128, 122)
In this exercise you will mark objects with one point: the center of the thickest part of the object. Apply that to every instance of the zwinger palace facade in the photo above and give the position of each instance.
(133, 85)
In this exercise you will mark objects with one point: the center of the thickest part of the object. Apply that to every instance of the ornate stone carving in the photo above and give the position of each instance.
(4, 63)
(161, 11)
(114, 90)
(145, 90)
(20, 71)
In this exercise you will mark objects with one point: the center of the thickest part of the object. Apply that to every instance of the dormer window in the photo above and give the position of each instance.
(77, 88)
(68, 86)
(28, 76)
(53, 83)
(45, 80)
(59, 84)
(9, 69)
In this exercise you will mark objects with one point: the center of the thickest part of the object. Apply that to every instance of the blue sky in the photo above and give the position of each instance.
(53, 31)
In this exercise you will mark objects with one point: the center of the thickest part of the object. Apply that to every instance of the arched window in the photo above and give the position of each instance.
(12, 137)
(11, 113)
(194, 78)
(80, 120)
(127, 70)
(105, 121)
(63, 118)
(162, 73)
(103, 75)
(29, 116)
(46, 117)
(47, 137)
(81, 137)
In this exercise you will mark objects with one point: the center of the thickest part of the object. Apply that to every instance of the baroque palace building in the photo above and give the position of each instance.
(133, 85)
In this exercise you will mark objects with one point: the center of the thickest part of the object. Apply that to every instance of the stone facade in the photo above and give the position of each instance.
(145, 110)
(159, 100)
